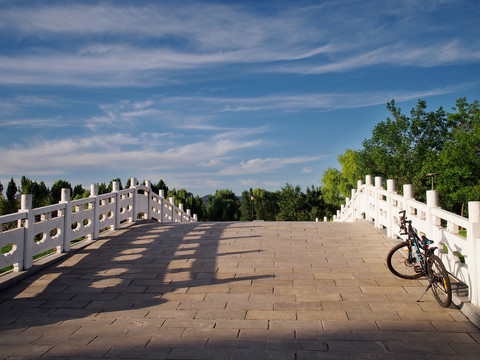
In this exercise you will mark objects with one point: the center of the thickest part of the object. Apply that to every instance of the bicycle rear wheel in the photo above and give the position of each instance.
(403, 262)
(442, 289)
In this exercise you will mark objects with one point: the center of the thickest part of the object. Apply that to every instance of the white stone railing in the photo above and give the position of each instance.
(31, 232)
(459, 252)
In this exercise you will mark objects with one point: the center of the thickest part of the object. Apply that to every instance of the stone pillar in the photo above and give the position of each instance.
(172, 202)
(96, 211)
(67, 223)
(368, 180)
(391, 185)
(26, 206)
(378, 185)
(390, 215)
(407, 195)
(148, 184)
(133, 185)
(432, 221)
(180, 206)
(161, 194)
(116, 190)
(473, 237)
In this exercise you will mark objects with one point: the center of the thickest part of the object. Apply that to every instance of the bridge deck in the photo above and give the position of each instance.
(230, 291)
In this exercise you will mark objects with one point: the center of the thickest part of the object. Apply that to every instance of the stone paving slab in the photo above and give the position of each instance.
(256, 290)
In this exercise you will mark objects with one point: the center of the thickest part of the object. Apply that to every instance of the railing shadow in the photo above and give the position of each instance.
(136, 268)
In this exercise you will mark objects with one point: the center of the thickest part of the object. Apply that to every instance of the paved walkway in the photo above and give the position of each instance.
(230, 291)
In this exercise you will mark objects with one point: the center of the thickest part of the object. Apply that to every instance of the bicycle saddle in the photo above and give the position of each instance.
(426, 241)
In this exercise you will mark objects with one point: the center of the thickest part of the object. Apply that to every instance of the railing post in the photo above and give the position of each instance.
(368, 183)
(161, 193)
(180, 206)
(116, 190)
(378, 184)
(473, 237)
(26, 206)
(67, 217)
(96, 211)
(133, 185)
(172, 201)
(391, 190)
(432, 202)
(354, 201)
(148, 184)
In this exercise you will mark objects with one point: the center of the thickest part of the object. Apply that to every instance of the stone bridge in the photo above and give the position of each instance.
(243, 290)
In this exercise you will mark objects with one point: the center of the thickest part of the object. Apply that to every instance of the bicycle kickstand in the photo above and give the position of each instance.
(428, 287)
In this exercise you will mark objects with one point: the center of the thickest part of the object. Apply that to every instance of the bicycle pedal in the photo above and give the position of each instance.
(418, 269)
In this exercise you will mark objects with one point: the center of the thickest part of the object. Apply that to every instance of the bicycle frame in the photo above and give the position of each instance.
(421, 246)
(414, 239)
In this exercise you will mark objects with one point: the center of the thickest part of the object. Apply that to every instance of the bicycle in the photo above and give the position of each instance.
(414, 258)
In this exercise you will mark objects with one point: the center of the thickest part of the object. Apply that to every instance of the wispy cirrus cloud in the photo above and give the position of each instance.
(181, 39)
(266, 165)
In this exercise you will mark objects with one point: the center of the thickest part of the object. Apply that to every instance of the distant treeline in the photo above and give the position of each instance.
(405, 148)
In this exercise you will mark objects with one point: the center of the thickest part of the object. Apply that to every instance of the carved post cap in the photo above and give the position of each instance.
(93, 190)
(65, 195)
(408, 191)
(133, 182)
(378, 181)
(368, 179)
(26, 202)
(115, 186)
(474, 211)
(391, 185)
(432, 198)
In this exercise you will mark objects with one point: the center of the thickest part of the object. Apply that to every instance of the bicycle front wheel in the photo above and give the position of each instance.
(442, 289)
(403, 262)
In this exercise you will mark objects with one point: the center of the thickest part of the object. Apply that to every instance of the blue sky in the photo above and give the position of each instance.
(213, 95)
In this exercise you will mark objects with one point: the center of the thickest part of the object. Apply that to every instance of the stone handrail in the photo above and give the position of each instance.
(31, 232)
(459, 252)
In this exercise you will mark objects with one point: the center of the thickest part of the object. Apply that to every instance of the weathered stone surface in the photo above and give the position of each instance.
(230, 291)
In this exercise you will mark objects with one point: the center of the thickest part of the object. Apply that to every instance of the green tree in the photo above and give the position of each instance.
(198, 207)
(458, 164)
(292, 204)
(350, 172)
(246, 206)
(223, 206)
(315, 203)
(110, 185)
(40, 192)
(56, 190)
(102, 189)
(79, 192)
(332, 180)
(160, 186)
(405, 148)
(11, 190)
(2, 201)
(10, 205)
(265, 204)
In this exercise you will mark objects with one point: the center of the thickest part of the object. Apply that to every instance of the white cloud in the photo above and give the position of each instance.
(256, 166)
(331, 37)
